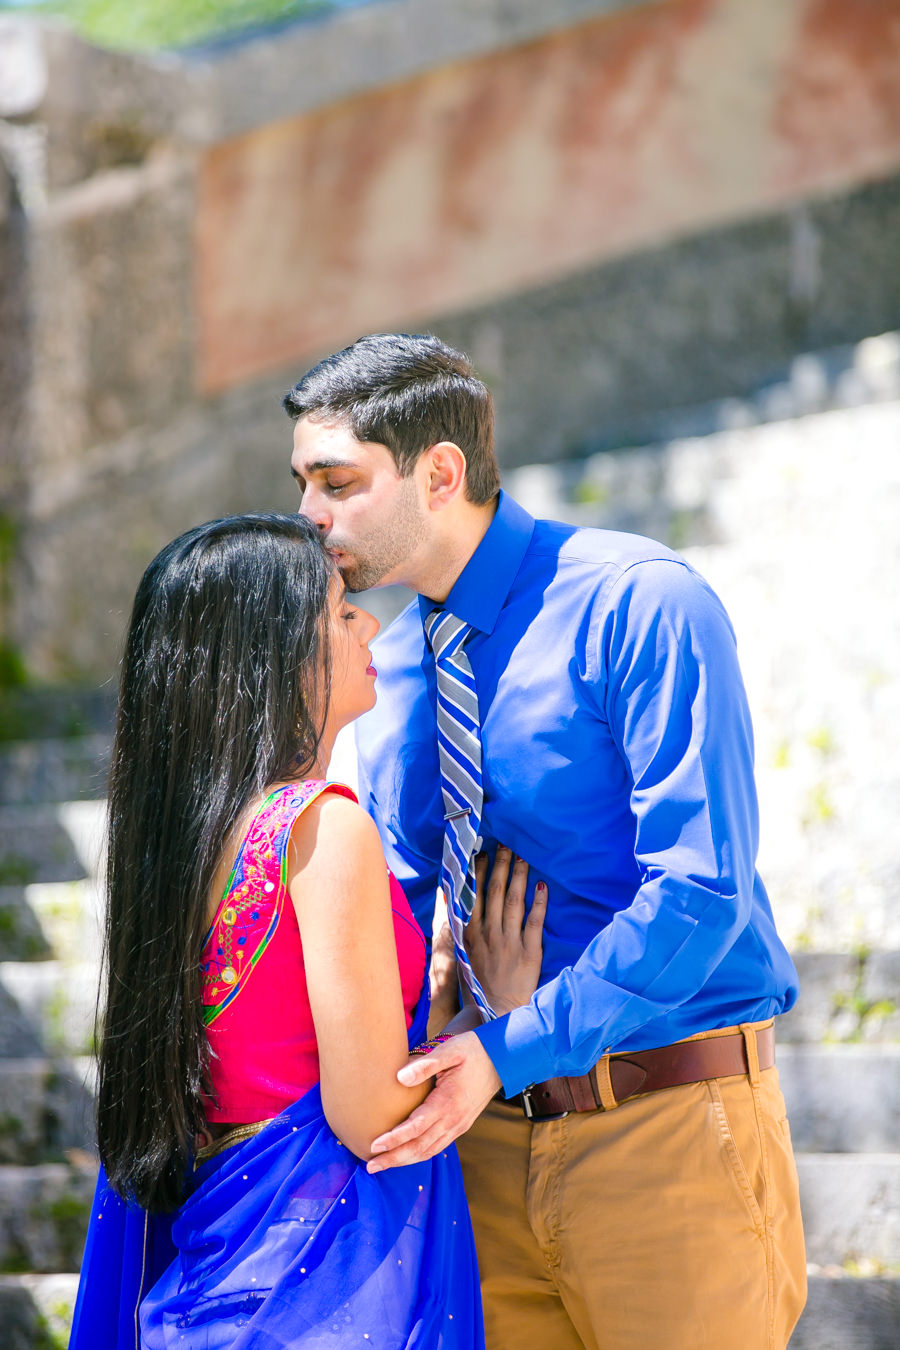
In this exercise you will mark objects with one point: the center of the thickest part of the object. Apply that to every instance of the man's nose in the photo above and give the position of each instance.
(315, 509)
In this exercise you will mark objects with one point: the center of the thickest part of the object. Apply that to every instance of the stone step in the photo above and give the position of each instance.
(48, 843)
(46, 1109)
(842, 1098)
(845, 996)
(22, 935)
(44, 1212)
(851, 1207)
(39, 714)
(54, 769)
(51, 919)
(47, 1008)
(36, 1311)
(842, 1313)
(845, 1312)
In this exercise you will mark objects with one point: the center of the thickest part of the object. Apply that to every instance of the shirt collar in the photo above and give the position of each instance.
(481, 589)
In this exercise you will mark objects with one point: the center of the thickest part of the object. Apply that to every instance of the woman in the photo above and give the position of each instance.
(264, 983)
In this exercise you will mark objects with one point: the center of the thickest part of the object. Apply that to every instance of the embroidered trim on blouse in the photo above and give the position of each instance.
(251, 907)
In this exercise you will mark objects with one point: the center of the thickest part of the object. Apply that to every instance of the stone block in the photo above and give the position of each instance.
(35, 846)
(826, 980)
(51, 770)
(87, 550)
(48, 1110)
(44, 1213)
(21, 933)
(36, 1310)
(851, 1207)
(110, 316)
(842, 1098)
(55, 1002)
(844, 1313)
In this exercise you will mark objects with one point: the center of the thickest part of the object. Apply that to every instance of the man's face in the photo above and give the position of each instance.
(369, 514)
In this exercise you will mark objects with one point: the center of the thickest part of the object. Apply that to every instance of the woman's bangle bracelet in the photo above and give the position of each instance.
(426, 1047)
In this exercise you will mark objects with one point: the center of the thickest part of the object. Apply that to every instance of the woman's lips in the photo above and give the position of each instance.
(370, 669)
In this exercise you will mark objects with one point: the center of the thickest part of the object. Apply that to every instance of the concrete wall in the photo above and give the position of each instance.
(619, 208)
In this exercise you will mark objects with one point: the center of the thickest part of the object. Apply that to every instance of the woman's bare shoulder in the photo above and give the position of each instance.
(334, 829)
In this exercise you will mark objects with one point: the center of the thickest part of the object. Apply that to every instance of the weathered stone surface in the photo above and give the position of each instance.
(47, 1110)
(54, 769)
(630, 352)
(43, 1215)
(38, 713)
(23, 68)
(35, 846)
(828, 981)
(55, 1002)
(851, 1207)
(844, 1313)
(318, 62)
(111, 323)
(51, 918)
(758, 511)
(654, 122)
(18, 1038)
(207, 462)
(842, 1099)
(36, 1310)
(21, 933)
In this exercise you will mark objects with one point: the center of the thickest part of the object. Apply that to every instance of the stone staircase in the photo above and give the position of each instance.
(52, 787)
(838, 1055)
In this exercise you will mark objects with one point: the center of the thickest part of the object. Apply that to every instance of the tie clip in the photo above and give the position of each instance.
(454, 815)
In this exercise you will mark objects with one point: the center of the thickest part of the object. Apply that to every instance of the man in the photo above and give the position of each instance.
(626, 1155)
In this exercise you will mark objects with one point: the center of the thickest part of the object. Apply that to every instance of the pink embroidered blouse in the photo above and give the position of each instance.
(260, 1027)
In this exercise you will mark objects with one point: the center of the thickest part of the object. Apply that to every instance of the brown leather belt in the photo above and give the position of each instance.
(634, 1073)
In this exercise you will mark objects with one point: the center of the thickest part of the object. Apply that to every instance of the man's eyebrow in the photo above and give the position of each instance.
(322, 465)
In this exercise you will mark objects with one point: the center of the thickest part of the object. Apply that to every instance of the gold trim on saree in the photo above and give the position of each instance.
(229, 1140)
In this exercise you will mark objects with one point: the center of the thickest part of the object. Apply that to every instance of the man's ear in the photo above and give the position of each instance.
(444, 468)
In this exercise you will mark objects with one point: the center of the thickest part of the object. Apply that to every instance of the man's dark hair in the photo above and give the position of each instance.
(406, 391)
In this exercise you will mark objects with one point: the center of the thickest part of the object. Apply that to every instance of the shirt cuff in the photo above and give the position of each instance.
(516, 1049)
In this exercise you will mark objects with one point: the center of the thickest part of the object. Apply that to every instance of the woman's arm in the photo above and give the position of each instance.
(338, 882)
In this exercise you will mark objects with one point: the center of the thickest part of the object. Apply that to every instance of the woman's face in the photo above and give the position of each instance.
(352, 672)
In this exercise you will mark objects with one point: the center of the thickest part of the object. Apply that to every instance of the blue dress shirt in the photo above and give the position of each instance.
(618, 762)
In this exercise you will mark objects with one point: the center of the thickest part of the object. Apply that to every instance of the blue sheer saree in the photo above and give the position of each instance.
(286, 1240)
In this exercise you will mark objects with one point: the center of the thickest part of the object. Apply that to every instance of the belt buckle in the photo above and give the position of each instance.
(528, 1108)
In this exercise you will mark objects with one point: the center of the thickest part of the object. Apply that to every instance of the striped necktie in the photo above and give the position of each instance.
(459, 752)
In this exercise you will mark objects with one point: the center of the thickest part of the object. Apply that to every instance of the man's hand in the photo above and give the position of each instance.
(466, 1082)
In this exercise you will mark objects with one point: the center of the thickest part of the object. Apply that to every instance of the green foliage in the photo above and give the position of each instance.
(782, 756)
(13, 673)
(590, 493)
(822, 739)
(16, 870)
(148, 24)
(819, 808)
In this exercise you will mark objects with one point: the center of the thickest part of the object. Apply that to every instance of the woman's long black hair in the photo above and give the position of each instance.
(223, 692)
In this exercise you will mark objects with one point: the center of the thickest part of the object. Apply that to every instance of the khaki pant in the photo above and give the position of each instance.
(669, 1223)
